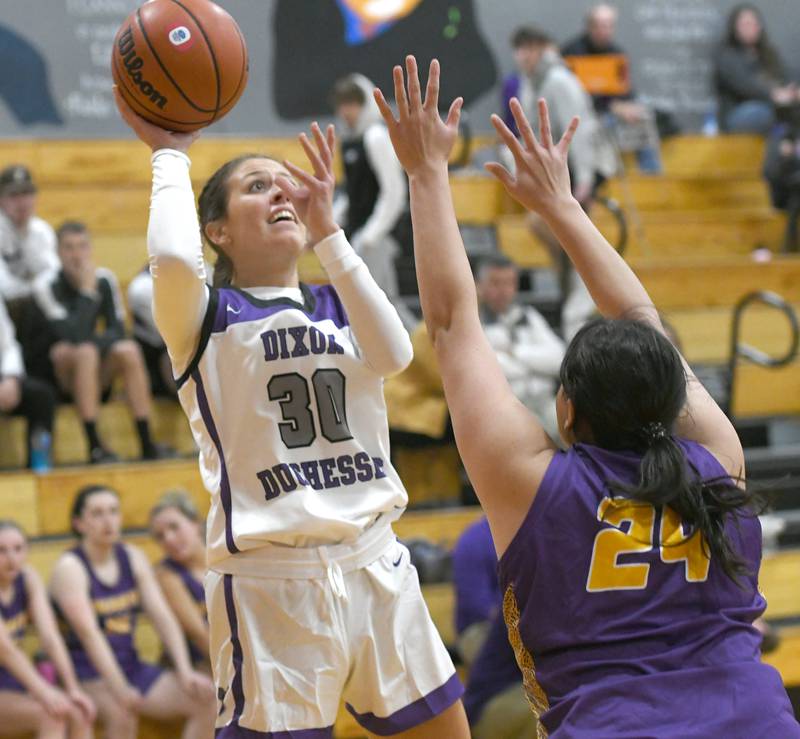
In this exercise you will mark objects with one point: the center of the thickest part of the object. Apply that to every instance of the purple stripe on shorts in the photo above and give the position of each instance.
(233, 622)
(234, 731)
(235, 307)
(224, 483)
(414, 714)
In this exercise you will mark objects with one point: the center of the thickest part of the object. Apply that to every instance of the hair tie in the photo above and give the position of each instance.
(655, 431)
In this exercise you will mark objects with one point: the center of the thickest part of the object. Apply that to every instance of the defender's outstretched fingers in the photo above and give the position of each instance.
(501, 173)
(432, 89)
(509, 139)
(414, 89)
(454, 114)
(384, 107)
(545, 132)
(313, 157)
(566, 139)
(400, 92)
(523, 124)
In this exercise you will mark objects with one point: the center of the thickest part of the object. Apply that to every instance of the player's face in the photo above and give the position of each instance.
(75, 252)
(13, 549)
(19, 208)
(748, 28)
(178, 536)
(259, 214)
(100, 521)
(497, 289)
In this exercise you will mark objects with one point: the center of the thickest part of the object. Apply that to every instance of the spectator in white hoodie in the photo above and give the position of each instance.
(374, 208)
(527, 348)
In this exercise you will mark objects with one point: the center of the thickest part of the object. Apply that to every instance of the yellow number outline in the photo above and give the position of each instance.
(605, 571)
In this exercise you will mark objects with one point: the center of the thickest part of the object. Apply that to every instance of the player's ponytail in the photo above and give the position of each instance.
(627, 384)
(212, 206)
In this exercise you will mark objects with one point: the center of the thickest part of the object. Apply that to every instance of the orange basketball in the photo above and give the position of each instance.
(181, 64)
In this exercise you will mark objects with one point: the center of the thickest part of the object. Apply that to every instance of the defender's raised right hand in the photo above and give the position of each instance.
(154, 136)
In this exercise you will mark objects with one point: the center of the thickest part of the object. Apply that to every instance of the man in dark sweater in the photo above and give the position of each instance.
(623, 110)
(78, 339)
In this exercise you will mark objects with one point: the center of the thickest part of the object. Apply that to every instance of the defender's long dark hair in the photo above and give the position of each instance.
(767, 54)
(628, 386)
(213, 205)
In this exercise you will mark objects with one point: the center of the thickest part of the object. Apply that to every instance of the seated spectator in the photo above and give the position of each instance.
(28, 702)
(542, 73)
(24, 396)
(146, 334)
(99, 587)
(78, 340)
(527, 348)
(27, 243)
(750, 77)
(415, 404)
(180, 532)
(374, 208)
(631, 119)
(494, 699)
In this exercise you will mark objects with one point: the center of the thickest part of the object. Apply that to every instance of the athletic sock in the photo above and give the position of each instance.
(91, 434)
(143, 429)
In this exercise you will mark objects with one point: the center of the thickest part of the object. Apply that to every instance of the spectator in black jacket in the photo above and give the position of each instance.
(624, 111)
(750, 78)
(79, 340)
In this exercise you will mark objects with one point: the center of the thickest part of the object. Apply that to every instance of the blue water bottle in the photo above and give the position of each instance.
(41, 447)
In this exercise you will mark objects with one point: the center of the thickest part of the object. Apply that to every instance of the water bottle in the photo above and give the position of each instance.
(41, 446)
(710, 124)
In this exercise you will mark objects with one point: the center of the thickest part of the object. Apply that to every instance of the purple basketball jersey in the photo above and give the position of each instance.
(16, 620)
(622, 626)
(116, 607)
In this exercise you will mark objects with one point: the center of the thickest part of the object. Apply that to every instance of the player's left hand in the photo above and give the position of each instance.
(83, 703)
(197, 685)
(312, 198)
(421, 139)
(541, 179)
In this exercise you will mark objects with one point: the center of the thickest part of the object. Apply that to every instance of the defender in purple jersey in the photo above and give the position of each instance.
(28, 702)
(628, 563)
(99, 588)
(175, 524)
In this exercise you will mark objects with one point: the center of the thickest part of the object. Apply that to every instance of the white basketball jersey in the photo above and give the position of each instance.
(290, 422)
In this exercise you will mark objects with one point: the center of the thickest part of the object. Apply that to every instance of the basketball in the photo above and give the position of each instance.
(181, 64)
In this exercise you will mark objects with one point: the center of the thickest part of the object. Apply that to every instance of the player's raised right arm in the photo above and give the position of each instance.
(504, 448)
(174, 243)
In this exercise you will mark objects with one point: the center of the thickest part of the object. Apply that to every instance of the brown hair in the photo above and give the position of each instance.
(213, 205)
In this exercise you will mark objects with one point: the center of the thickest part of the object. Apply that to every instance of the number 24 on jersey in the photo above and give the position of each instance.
(606, 573)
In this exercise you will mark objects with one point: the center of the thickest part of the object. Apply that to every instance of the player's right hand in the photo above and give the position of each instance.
(54, 702)
(154, 136)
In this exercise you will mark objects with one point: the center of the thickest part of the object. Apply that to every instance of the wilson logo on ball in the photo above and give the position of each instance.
(133, 64)
(180, 36)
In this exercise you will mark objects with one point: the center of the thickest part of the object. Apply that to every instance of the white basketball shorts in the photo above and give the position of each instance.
(294, 631)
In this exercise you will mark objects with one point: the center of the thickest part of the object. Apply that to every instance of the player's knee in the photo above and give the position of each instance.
(121, 722)
(127, 352)
(87, 353)
(62, 354)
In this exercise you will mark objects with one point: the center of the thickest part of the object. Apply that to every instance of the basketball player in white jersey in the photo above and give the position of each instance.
(311, 599)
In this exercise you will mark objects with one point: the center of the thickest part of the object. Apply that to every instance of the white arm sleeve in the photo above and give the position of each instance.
(11, 364)
(180, 295)
(385, 344)
(11, 286)
(393, 195)
(538, 347)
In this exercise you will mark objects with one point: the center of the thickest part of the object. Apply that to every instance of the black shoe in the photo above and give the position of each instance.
(159, 451)
(101, 455)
